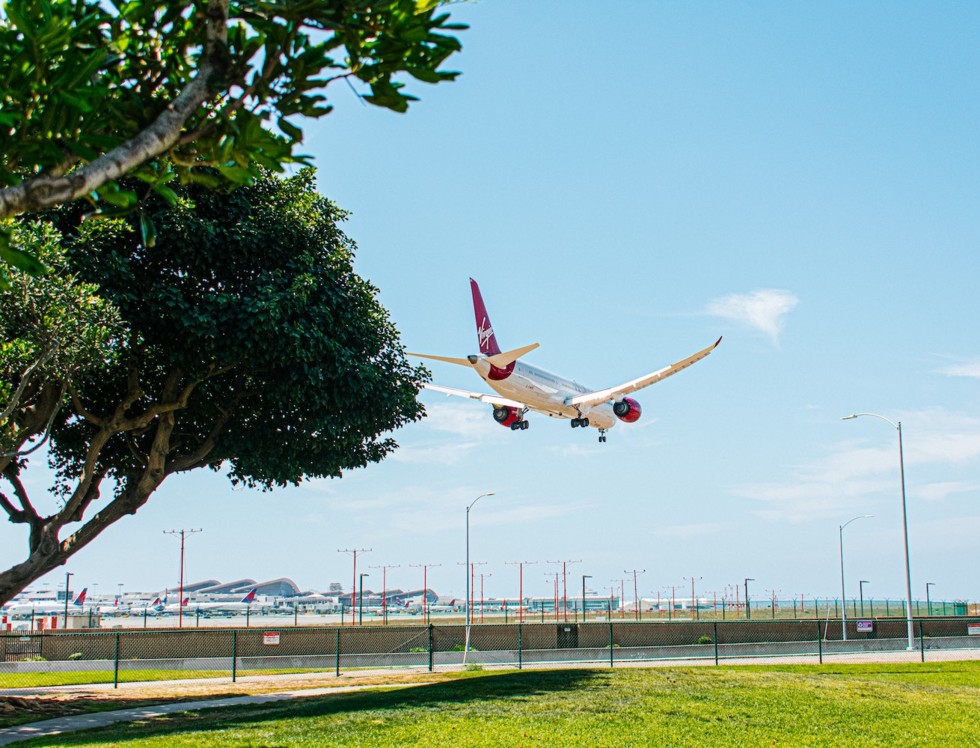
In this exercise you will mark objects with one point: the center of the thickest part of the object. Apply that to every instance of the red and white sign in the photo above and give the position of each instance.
(270, 637)
(973, 629)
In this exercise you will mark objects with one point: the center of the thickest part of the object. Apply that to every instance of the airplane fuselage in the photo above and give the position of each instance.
(545, 392)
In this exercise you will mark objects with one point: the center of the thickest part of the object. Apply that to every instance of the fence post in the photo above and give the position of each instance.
(819, 643)
(115, 664)
(922, 641)
(715, 625)
(337, 647)
(611, 662)
(520, 646)
(234, 656)
(430, 647)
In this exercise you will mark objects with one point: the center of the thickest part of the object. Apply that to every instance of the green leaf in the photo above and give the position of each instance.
(290, 129)
(19, 258)
(148, 230)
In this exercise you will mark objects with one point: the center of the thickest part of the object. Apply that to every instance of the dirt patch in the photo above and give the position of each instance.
(72, 700)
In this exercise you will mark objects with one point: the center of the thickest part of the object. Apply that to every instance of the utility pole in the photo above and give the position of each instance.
(636, 593)
(353, 588)
(425, 589)
(520, 585)
(184, 534)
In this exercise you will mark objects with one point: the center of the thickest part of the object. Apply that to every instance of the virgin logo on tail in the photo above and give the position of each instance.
(484, 333)
(484, 330)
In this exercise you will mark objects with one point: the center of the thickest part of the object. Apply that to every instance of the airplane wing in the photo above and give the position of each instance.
(613, 393)
(492, 399)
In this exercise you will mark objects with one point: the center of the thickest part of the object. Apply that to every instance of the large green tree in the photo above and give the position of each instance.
(202, 90)
(249, 343)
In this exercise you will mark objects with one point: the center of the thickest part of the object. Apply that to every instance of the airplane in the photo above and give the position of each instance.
(227, 607)
(42, 607)
(521, 387)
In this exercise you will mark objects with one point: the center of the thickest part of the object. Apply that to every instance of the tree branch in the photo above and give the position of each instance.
(49, 190)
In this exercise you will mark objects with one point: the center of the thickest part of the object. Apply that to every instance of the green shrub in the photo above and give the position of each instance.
(75, 656)
(705, 640)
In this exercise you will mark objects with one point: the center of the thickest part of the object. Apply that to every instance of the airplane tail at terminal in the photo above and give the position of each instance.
(80, 600)
(249, 598)
(484, 330)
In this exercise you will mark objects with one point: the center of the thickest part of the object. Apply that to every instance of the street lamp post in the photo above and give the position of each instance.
(843, 597)
(905, 522)
(68, 576)
(748, 611)
(584, 577)
(861, 584)
(469, 615)
(360, 598)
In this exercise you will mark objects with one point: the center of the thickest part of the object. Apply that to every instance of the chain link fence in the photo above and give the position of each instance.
(34, 659)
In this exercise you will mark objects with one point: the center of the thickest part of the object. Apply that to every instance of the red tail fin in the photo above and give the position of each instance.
(484, 330)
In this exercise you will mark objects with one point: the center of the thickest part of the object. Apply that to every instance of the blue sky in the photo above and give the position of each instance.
(627, 183)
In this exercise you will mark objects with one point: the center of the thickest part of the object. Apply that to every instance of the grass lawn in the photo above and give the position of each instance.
(839, 705)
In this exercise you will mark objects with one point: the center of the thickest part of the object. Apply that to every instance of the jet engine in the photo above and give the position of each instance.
(627, 410)
(506, 415)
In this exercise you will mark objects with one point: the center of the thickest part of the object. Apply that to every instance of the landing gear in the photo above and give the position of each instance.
(520, 425)
(583, 422)
(602, 436)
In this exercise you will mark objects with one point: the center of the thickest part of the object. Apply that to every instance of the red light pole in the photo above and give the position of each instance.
(425, 590)
(353, 588)
(520, 585)
(184, 534)
(636, 593)
(564, 584)
(384, 589)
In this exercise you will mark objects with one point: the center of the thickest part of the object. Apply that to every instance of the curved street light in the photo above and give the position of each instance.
(897, 425)
(843, 596)
(466, 647)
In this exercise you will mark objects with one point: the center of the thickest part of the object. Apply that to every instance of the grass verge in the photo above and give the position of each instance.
(840, 705)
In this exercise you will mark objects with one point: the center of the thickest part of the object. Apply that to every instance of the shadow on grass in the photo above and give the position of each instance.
(485, 689)
(25, 709)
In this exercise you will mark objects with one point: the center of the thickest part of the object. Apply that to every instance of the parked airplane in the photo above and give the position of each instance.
(41, 607)
(521, 387)
(227, 607)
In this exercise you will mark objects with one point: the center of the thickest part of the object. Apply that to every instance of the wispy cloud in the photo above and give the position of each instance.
(963, 369)
(764, 310)
(852, 476)
(689, 531)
